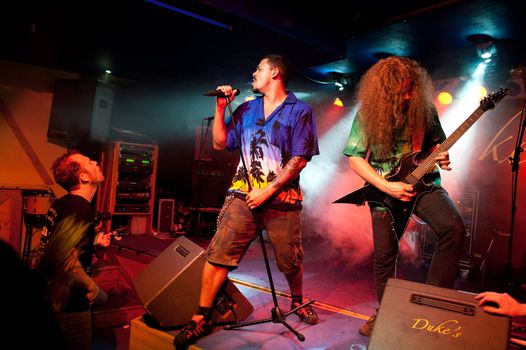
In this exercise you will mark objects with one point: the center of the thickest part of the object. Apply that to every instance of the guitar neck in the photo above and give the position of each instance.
(428, 163)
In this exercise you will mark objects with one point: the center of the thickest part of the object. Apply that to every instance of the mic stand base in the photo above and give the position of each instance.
(277, 317)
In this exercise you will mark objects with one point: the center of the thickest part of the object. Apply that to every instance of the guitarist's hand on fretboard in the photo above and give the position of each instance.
(443, 160)
(399, 190)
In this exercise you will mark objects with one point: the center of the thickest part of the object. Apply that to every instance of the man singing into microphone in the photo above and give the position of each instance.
(278, 138)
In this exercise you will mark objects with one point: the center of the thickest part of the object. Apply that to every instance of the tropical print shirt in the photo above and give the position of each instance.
(267, 145)
(403, 145)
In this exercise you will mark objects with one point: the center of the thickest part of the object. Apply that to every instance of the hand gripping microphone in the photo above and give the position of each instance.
(219, 93)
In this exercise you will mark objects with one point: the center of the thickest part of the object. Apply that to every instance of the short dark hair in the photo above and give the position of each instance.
(67, 171)
(282, 64)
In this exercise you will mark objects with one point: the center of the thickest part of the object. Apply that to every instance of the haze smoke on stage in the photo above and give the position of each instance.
(344, 228)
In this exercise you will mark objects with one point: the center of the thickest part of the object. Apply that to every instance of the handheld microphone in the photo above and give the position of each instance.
(219, 93)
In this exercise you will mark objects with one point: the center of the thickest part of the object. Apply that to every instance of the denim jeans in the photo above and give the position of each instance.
(76, 327)
(438, 211)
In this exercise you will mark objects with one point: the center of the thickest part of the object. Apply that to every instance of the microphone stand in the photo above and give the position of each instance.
(515, 161)
(277, 316)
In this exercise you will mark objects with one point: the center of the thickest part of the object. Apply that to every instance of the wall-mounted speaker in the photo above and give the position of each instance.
(81, 111)
(165, 215)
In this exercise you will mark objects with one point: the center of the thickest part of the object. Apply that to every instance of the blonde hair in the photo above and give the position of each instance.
(57, 262)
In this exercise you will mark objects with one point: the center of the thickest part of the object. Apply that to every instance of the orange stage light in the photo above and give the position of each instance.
(483, 92)
(338, 102)
(445, 98)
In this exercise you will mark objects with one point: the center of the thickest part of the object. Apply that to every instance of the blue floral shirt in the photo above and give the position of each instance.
(268, 145)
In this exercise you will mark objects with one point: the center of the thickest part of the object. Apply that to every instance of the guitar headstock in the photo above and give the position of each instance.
(491, 100)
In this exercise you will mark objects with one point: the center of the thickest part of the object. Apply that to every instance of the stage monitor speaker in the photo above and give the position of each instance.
(169, 288)
(81, 111)
(165, 217)
(417, 316)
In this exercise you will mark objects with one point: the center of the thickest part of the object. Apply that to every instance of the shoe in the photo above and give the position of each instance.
(190, 333)
(306, 314)
(366, 329)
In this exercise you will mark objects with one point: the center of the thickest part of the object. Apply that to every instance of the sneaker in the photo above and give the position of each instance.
(190, 333)
(366, 329)
(306, 314)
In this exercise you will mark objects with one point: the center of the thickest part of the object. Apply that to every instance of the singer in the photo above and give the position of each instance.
(278, 135)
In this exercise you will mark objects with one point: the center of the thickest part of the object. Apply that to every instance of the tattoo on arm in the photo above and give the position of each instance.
(290, 172)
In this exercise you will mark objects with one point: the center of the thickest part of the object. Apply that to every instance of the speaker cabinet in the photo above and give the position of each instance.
(169, 288)
(212, 171)
(81, 111)
(417, 316)
(165, 215)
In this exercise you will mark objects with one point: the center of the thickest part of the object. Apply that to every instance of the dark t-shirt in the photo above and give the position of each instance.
(78, 206)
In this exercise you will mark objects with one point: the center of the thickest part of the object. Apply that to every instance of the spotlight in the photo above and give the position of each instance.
(339, 85)
(484, 44)
(338, 102)
(485, 54)
(339, 80)
(482, 91)
(445, 98)
(486, 51)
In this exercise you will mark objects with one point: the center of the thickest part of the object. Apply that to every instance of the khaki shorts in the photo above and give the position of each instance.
(236, 229)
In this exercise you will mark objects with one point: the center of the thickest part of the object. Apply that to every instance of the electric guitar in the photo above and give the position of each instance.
(411, 171)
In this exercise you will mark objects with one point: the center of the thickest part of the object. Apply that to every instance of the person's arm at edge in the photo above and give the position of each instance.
(506, 305)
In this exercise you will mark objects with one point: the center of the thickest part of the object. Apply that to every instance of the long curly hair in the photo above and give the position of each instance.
(395, 92)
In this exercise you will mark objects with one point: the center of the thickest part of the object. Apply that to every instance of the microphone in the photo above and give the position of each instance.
(208, 120)
(219, 93)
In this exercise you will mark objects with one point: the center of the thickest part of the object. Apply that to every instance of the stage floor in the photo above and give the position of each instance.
(344, 297)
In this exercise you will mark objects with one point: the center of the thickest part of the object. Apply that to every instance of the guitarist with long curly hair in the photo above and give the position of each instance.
(397, 117)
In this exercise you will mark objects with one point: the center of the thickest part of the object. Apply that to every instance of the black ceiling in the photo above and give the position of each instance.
(150, 39)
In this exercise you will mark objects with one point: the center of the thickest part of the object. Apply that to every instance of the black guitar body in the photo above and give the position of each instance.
(400, 211)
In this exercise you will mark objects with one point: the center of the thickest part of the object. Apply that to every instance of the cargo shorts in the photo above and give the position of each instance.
(236, 229)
